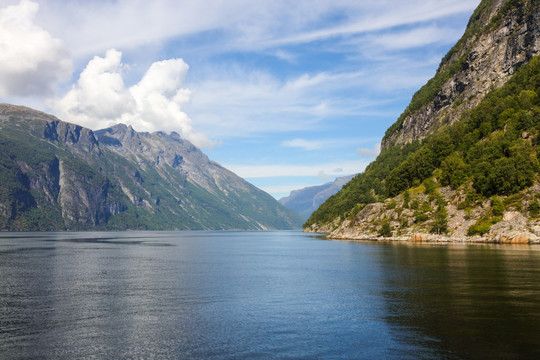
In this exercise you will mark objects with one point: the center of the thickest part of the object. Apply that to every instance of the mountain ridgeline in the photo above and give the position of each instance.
(461, 162)
(59, 176)
(305, 201)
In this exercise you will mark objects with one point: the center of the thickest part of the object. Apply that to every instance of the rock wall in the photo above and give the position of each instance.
(492, 57)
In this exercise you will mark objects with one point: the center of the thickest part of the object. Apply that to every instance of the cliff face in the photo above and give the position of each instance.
(462, 161)
(56, 176)
(501, 36)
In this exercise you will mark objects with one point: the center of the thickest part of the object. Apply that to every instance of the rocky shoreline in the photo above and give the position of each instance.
(511, 238)
(514, 226)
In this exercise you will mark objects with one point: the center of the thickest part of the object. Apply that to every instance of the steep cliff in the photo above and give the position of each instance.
(500, 37)
(461, 162)
(55, 176)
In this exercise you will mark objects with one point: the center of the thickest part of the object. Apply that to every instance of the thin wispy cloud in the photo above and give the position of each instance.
(306, 144)
(244, 104)
(310, 145)
(415, 38)
(394, 14)
(288, 170)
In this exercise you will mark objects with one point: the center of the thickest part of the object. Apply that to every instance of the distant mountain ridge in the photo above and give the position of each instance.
(305, 201)
(60, 176)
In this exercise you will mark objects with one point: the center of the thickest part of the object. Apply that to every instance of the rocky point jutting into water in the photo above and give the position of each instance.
(461, 162)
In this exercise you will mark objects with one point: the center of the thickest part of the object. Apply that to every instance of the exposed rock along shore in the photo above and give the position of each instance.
(515, 226)
(513, 238)
(501, 39)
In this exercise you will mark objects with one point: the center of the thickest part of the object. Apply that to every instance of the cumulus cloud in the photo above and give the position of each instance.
(100, 98)
(31, 60)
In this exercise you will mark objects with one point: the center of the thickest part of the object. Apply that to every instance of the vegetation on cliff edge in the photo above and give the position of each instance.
(495, 146)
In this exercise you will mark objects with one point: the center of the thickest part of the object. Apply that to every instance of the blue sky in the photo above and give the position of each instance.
(286, 94)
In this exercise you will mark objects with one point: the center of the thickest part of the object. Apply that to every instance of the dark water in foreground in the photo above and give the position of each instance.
(261, 295)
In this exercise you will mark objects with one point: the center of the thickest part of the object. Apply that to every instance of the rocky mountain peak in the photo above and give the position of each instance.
(71, 135)
(60, 176)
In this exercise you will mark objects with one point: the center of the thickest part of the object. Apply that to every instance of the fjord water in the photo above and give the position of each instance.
(261, 295)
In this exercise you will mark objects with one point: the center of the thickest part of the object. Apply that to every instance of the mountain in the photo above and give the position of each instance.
(305, 201)
(461, 162)
(59, 176)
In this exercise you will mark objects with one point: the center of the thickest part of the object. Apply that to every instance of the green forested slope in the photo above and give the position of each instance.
(493, 150)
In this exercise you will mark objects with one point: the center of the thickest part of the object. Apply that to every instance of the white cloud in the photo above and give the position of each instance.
(370, 153)
(327, 169)
(31, 60)
(236, 102)
(324, 176)
(326, 143)
(285, 56)
(90, 27)
(100, 98)
(305, 144)
(415, 38)
(380, 16)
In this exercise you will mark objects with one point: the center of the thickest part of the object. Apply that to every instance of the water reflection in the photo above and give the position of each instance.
(470, 302)
(261, 295)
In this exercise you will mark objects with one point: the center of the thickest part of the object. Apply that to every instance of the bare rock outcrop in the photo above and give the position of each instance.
(491, 57)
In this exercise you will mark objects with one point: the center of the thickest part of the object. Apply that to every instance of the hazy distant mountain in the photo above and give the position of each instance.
(305, 201)
(56, 176)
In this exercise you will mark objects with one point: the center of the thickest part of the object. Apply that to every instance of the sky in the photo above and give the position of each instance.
(286, 94)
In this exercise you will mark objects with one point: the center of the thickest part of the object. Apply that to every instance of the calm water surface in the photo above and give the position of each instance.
(263, 295)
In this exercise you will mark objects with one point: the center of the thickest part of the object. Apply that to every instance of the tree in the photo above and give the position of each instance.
(440, 221)
(385, 230)
(497, 206)
(430, 186)
(454, 171)
(534, 209)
